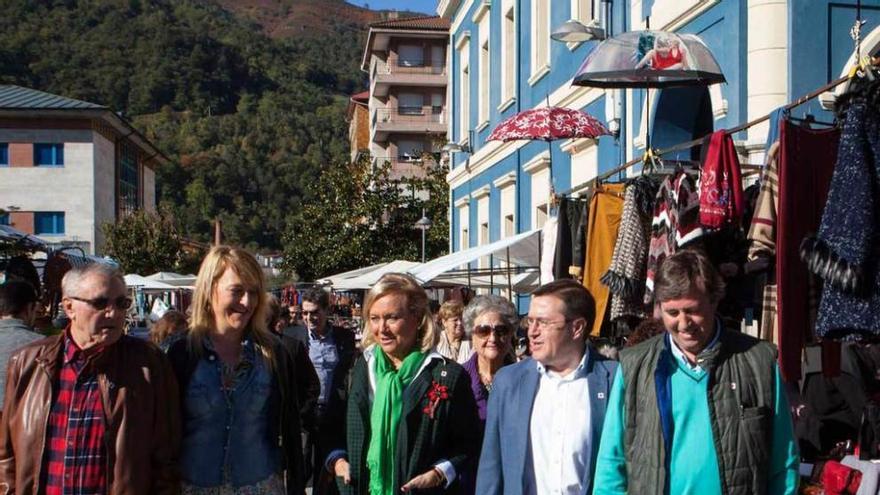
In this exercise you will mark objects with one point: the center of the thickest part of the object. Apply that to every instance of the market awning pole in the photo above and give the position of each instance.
(509, 284)
(491, 273)
(540, 243)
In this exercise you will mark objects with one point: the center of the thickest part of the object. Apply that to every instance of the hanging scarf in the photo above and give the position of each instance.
(721, 201)
(385, 417)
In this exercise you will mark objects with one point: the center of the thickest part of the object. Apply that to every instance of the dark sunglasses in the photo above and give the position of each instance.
(101, 303)
(485, 330)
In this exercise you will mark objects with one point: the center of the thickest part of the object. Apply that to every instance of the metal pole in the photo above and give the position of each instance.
(491, 273)
(509, 283)
(423, 245)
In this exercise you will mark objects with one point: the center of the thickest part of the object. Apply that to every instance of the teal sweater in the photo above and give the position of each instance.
(694, 462)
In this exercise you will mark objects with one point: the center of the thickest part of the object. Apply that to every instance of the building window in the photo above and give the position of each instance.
(410, 103)
(49, 154)
(582, 10)
(464, 92)
(129, 179)
(49, 223)
(540, 36)
(4, 218)
(4, 154)
(485, 71)
(508, 56)
(411, 56)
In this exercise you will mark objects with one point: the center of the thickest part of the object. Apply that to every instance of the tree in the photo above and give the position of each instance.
(361, 215)
(143, 242)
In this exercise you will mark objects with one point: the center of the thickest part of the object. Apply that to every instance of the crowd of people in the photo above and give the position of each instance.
(238, 398)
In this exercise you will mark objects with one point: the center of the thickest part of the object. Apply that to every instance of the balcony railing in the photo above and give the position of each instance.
(409, 115)
(398, 65)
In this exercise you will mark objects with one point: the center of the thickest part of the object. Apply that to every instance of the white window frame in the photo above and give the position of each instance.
(508, 55)
(464, 81)
(539, 168)
(540, 31)
(485, 67)
(583, 11)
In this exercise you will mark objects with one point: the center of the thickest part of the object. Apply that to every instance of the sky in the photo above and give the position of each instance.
(425, 6)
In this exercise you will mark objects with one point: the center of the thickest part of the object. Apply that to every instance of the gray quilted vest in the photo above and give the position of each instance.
(741, 391)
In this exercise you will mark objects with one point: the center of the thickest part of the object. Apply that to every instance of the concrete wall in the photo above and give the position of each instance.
(105, 187)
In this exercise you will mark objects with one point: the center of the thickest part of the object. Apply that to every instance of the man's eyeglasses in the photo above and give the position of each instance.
(544, 324)
(498, 330)
(101, 303)
(306, 314)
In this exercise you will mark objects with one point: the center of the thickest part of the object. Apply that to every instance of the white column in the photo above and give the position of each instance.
(767, 67)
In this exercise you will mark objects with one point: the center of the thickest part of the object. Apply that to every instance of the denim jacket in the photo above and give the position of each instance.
(230, 436)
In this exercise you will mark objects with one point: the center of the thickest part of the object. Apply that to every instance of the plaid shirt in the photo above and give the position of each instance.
(76, 456)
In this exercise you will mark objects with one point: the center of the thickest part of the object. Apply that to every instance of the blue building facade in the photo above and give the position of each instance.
(502, 61)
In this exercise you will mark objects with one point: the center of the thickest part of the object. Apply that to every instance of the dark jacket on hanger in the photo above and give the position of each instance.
(845, 253)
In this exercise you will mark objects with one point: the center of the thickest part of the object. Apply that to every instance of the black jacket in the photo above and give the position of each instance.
(343, 338)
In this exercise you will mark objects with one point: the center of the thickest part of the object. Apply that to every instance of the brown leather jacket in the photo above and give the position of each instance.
(141, 407)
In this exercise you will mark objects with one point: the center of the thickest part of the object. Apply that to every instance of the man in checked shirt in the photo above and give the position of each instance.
(90, 411)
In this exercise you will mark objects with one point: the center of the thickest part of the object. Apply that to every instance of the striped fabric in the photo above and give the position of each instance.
(762, 231)
(76, 457)
(676, 223)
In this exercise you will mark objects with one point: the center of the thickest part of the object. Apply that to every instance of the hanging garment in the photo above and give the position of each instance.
(625, 277)
(721, 199)
(845, 253)
(548, 249)
(773, 130)
(676, 224)
(870, 484)
(806, 163)
(762, 241)
(579, 251)
(568, 218)
(604, 220)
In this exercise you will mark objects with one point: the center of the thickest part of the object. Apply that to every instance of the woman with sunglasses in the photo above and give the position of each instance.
(490, 320)
(412, 424)
(238, 386)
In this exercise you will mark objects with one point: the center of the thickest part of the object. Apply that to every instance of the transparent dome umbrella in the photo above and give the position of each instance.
(649, 59)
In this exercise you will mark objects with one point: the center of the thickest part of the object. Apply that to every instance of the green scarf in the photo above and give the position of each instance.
(385, 418)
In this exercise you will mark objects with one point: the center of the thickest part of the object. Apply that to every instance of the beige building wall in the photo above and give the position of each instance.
(49, 189)
(105, 187)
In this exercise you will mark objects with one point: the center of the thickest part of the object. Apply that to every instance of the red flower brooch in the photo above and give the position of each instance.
(436, 394)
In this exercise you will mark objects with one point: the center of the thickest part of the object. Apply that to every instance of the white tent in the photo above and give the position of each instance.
(520, 252)
(136, 281)
(368, 279)
(174, 279)
(335, 279)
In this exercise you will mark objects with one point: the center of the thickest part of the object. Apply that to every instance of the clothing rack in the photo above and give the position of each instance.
(690, 144)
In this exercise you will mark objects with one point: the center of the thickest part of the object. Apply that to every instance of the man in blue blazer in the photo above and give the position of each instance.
(545, 413)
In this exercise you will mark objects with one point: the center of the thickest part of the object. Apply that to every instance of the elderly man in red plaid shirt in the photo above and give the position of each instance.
(90, 411)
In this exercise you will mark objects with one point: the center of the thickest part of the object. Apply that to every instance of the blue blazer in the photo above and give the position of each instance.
(503, 465)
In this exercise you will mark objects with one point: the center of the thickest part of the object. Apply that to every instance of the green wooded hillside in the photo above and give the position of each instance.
(248, 121)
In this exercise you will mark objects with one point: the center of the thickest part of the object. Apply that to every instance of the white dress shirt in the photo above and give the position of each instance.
(559, 433)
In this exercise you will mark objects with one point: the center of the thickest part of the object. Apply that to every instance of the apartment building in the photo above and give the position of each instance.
(406, 61)
(69, 166)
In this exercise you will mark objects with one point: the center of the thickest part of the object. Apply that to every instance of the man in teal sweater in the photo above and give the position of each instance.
(698, 409)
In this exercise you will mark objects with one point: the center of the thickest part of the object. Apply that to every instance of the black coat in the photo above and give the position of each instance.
(452, 434)
(343, 338)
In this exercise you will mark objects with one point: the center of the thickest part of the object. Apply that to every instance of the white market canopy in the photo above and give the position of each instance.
(174, 279)
(136, 281)
(335, 279)
(520, 252)
(369, 278)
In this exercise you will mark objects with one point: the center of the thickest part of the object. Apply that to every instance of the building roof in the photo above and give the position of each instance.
(12, 96)
(362, 97)
(433, 23)
(17, 102)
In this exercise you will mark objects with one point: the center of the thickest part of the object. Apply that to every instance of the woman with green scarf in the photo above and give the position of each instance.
(412, 423)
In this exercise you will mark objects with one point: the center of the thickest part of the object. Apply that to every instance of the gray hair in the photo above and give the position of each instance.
(72, 282)
(489, 304)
